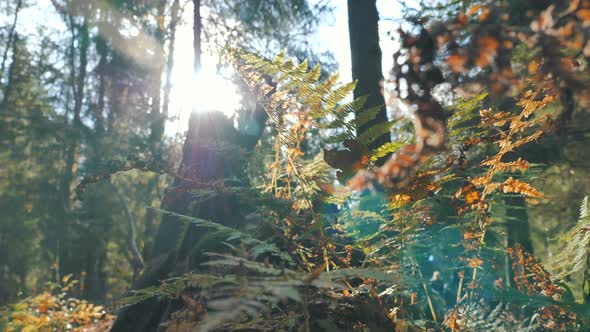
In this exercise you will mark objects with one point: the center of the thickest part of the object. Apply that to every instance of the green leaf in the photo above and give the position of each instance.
(386, 149)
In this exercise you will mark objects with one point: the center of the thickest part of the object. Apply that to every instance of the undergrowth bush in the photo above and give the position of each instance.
(53, 310)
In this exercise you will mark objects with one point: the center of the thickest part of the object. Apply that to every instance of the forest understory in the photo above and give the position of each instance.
(433, 177)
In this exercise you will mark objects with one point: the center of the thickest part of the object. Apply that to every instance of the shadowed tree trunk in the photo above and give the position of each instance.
(170, 61)
(157, 118)
(65, 254)
(10, 37)
(363, 27)
(179, 248)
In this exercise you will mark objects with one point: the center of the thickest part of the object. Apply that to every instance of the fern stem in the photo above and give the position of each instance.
(430, 305)
(586, 284)
(460, 289)
(275, 171)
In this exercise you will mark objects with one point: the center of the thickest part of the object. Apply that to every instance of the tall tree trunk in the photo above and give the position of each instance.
(10, 37)
(65, 254)
(363, 27)
(197, 28)
(150, 221)
(101, 49)
(157, 119)
(170, 61)
(74, 254)
(176, 249)
(9, 88)
(78, 79)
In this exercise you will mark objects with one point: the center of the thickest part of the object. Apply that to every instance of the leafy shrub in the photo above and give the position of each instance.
(54, 310)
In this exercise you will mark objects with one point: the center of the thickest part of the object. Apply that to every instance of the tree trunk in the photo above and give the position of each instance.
(363, 29)
(157, 119)
(64, 252)
(10, 37)
(197, 28)
(101, 49)
(170, 61)
(178, 247)
(363, 26)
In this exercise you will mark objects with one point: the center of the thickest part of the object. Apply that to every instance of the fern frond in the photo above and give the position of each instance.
(477, 317)
(574, 255)
(386, 149)
(465, 110)
(367, 115)
(375, 132)
(257, 246)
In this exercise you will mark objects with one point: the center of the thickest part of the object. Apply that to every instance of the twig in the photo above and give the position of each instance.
(453, 310)
(427, 294)
(131, 222)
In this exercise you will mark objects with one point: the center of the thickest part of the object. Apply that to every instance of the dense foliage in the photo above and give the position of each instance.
(307, 210)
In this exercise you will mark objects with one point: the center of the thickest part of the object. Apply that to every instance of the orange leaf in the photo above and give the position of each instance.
(469, 186)
(457, 62)
(485, 13)
(519, 187)
(471, 235)
(473, 9)
(399, 200)
(533, 67)
(442, 39)
(461, 19)
(488, 43)
(583, 14)
(573, 5)
(488, 48)
(472, 197)
(566, 30)
(474, 262)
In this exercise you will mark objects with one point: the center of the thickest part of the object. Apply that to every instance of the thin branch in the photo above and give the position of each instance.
(131, 222)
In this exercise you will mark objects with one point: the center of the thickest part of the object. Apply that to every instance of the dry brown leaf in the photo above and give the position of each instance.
(457, 62)
(473, 10)
(474, 262)
(512, 185)
(583, 14)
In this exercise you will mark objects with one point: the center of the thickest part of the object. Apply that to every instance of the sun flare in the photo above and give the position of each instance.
(206, 92)
(209, 91)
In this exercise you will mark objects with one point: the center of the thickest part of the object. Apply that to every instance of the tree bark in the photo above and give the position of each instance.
(66, 259)
(157, 119)
(178, 248)
(78, 79)
(197, 28)
(170, 60)
(101, 49)
(363, 27)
